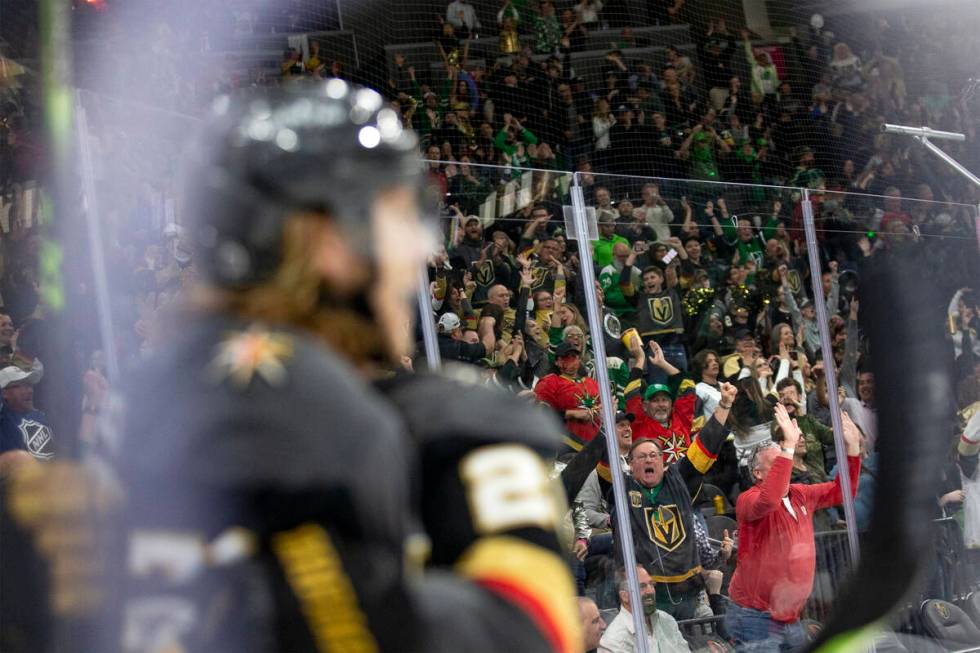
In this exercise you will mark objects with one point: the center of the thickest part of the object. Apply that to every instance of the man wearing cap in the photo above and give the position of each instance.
(452, 347)
(659, 416)
(471, 245)
(21, 425)
(576, 400)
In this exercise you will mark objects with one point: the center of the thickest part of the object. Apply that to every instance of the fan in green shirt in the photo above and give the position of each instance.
(602, 249)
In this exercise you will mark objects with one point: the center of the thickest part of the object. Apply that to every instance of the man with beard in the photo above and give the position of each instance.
(661, 514)
(661, 629)
(471, 246)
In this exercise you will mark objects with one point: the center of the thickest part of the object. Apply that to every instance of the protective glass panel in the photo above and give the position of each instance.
(725, 278)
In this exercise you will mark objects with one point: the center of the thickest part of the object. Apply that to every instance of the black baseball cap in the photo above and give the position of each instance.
(566, 349)
(741, 334)
(622, 416)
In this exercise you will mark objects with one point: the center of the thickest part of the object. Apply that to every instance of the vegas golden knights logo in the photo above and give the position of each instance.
(665, 526)
(943, 610)
(636, 499)
(661, 309)
(485, 275)
(794, 281)
(539, 275)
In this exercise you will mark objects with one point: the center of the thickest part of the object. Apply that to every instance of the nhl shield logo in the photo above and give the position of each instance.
(665, 526)
(661, 309)
(37, 438)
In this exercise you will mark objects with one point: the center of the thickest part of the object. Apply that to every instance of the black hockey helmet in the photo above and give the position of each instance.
(263, 154)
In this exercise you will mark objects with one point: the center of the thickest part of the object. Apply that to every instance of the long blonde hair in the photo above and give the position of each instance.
(298, 296)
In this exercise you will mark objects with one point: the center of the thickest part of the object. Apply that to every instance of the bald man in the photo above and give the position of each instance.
(593, 625)
(499, 295)
(777, 554)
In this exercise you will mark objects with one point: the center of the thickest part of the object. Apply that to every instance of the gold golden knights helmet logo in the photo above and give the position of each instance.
(665, 526)
(661, 309)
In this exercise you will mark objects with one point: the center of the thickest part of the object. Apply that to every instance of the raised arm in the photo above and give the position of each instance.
(756, 505)
(704, 449)
(848, 367)
(626, 278)
(833, 300)
(826, 495)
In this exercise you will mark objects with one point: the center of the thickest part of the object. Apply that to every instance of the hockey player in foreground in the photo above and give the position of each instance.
(276, 502)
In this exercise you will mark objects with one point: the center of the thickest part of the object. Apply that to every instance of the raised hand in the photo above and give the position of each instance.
(728, 393)
(527, 277)
(559, 296)
(727, 544)
(791, 432)
(657, 354)
(865, 245)
(852, 435)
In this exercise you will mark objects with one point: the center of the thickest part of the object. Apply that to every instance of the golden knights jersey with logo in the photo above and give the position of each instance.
(662, 520)
(660, 314)
(488, 273)
(663, 530)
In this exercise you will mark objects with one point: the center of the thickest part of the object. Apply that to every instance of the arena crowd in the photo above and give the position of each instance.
(695, 165)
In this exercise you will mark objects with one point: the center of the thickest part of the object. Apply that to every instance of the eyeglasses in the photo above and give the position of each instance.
(646, 456)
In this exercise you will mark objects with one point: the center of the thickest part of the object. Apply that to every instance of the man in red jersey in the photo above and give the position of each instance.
(659, 415)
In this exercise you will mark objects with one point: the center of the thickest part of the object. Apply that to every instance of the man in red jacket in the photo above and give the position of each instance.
(777, 554)
(576, 400)
(659, 416)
